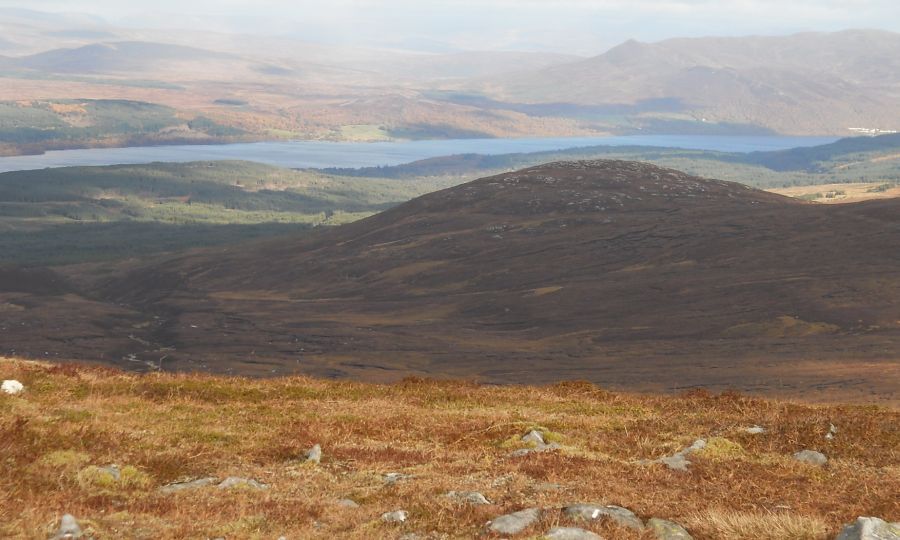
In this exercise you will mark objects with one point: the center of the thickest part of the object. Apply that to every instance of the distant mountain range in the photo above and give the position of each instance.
(278, 87)
(804, 83)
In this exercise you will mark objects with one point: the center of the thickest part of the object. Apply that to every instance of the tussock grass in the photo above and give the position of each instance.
(72, 421)
(732, 525)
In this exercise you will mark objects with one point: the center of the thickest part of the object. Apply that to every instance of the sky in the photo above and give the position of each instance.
(582, 27)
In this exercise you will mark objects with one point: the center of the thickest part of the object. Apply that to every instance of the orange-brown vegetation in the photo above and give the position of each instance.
(163, 428)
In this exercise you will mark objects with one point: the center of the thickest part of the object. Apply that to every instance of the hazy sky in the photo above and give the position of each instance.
(579, 26)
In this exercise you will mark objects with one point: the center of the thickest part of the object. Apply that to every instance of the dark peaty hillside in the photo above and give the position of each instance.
(622, 273)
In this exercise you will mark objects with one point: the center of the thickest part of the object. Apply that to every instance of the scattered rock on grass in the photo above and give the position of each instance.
(191, 484)
(113, 471)
(394, 477)
(622, 516)
(534, 437)
(679, 461)
(236, 481)
(68, 529)
(516, 522)
(538, 444)
(811, 457)
(755, 430)
(470, 497)
(314, 454)
(537, 449)
(348, 503)
(571, 533)
(668, 530)
(397, 516)
(870, 528)
(12, 387)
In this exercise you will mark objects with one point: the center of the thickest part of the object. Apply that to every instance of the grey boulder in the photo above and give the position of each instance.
(571, 533)
(192, 484)
(397, 516)
(811, 457)
(618, 514)
(469, 497)
(516, 522)
(668, 530)
(870, 528)
(235, 481)
(68, 528)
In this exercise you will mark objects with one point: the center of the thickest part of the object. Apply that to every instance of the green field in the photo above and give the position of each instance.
(862, 159)
(76, 214)
(36, 126)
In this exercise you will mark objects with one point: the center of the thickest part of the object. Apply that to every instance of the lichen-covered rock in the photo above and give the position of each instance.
(571, 533)
(397, 516)
(190, 484)
(469, 497)
(12, 387)
(348, 503)
(537, 449)
(679, 461)
(314, 454)
(515, 522)
(870, 528)
(534, 437)
(68, 529)
(811, 457)
(618, 514)
(238, 482)
(668, 530)
(755, 430)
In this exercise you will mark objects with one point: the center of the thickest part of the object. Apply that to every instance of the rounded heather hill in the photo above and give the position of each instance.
(606, 270)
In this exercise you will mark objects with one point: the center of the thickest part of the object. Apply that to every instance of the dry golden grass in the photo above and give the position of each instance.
(841, 193)
(449, 435)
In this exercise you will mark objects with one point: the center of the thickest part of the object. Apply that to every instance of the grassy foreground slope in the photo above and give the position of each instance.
(162, 428)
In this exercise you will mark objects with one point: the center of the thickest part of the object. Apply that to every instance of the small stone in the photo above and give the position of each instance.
(571, 533)
(515, 522)
(348, 503)
(534, 437)
(622, 516)
(112, 470)
(68, 528)
(668, 530)
(192, 484)
(832, 431)
(811, 457)
(679, 461)
(397, 516)
(314, 454)
(755, 430)
(235, 481)
(12, 387)
(394, 477)
(870, 528)
(470, 497)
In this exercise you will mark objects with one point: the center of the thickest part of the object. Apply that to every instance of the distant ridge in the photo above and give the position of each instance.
(802, 84)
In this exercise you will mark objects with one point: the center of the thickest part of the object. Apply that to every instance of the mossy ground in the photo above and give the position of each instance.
(73, 421)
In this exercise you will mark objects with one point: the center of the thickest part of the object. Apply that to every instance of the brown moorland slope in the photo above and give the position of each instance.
(621, 273)
(71, 422)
